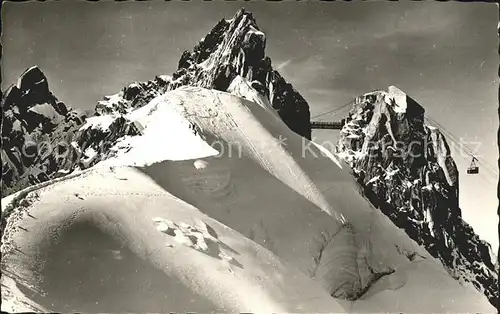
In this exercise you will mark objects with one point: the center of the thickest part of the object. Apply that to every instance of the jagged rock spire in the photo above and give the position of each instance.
(34, 124)
(236, 47)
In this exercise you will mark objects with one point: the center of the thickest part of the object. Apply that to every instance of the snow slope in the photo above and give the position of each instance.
(125, 204)
(237, 212)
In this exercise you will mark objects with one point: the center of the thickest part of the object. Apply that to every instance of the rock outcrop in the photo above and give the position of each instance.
(237, 47)
(35, 128)
(406, 170)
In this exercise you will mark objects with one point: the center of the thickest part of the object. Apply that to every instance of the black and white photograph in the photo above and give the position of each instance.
(249, 156)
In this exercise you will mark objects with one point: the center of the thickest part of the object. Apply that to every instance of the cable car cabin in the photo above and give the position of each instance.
(473, 168)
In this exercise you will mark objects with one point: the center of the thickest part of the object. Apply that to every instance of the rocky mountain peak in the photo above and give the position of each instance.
(406, 169)
(33, 115)
(31, 88)
(33, 124)
(236, 47)
(33, 77)
(239, 32)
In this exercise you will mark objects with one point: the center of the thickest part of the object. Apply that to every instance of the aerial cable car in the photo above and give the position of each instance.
(473, 168)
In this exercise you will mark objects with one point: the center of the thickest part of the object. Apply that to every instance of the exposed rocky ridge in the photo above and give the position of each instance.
(237, 47)
(407, 171)
(42, 138)
(233, 48)
(35, 126)
(33, 115)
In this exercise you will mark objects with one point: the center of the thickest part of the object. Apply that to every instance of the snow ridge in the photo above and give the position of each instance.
(290, 231)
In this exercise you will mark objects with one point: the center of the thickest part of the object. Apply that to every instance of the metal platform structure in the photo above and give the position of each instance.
(336, 125)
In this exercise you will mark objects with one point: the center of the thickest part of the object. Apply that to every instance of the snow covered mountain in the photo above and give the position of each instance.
(203, 188)
(235, 218)
(233, 48)
(407, 171)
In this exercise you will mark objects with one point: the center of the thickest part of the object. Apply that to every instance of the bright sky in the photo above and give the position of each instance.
(442, 54)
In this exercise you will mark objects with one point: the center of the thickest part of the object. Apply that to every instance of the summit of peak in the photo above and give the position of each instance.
(243, 12)
(32, 76)
(33, 69)
(31, 88)
(394, 89)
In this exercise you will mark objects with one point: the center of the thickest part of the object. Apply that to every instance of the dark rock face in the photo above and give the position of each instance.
(406, 170)
(42, 138)
(34, 124)
(95, 144)
(237, 47)
(133, 96)
(34, 81)
(232, 48)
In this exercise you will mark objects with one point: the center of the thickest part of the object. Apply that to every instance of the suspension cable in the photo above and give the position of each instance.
(484, 163)
(457, 141)
(332, 111)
